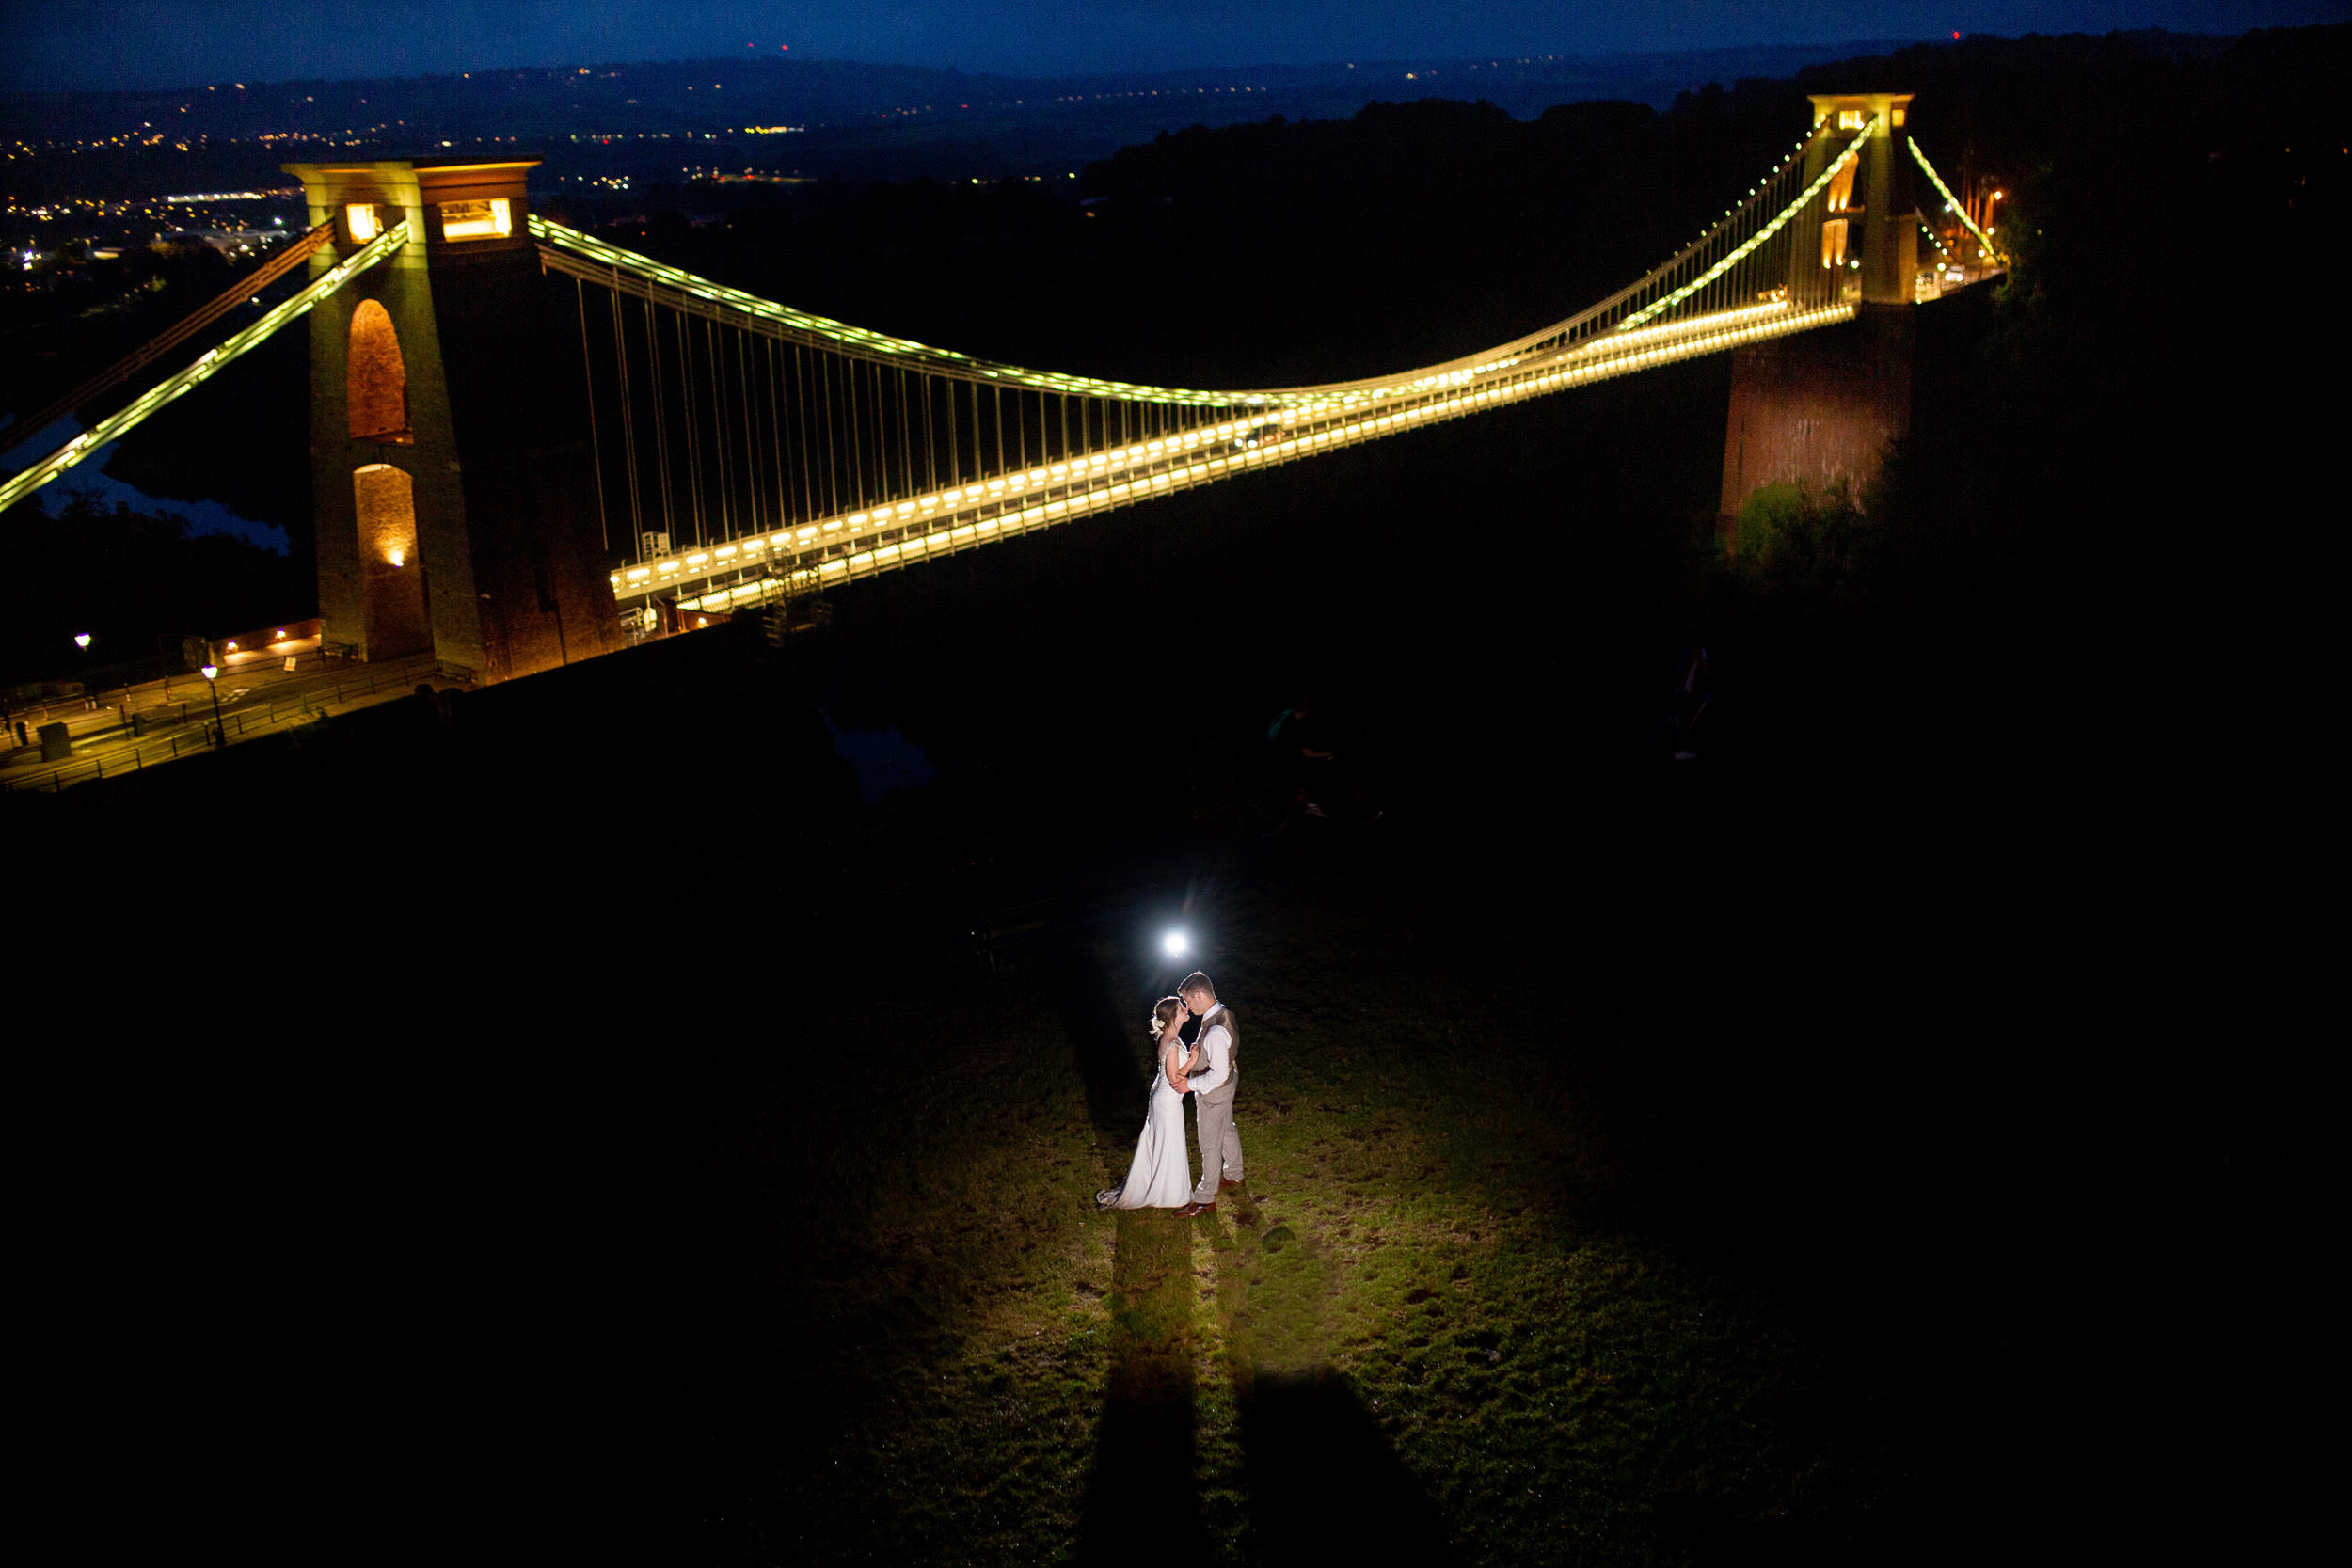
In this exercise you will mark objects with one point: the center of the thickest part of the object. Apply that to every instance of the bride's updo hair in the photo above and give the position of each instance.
(1163, 1013)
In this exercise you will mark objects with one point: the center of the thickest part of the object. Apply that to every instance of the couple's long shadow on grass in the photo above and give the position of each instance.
(1143, 1504)
(1323, 1483)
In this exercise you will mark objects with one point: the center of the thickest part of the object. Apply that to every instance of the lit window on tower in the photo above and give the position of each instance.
(360, 216)
(1851, 119)
(476, 220)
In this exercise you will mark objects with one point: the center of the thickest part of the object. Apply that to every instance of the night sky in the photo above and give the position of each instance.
(165, 43)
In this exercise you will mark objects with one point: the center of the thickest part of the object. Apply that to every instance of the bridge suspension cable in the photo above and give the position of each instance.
(243, 290)
(757, 450)
(1991, 252)
(210, 363)
(885, 451)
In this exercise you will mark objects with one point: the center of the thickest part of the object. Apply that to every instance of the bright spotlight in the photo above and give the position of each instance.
(81, 639)
(1174, 944)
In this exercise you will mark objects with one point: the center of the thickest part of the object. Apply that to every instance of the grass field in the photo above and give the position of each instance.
(1442, 1323)
(1649, 1164)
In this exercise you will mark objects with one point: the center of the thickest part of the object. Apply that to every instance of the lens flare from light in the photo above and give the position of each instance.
(1175, 944)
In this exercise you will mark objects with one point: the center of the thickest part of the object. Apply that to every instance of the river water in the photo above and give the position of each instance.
(106, 492)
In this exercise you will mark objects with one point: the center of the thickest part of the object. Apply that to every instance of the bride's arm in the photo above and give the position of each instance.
(1172, 1062)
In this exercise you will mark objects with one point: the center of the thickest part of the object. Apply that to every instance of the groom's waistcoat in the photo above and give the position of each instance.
(1223, 1019)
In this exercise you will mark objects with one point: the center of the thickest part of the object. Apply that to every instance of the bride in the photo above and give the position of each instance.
(1161, 1176)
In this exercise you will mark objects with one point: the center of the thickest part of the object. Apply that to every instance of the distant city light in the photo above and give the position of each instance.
(81, 639)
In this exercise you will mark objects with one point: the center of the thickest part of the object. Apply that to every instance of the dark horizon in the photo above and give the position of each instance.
(1826, 49)
(164, 45)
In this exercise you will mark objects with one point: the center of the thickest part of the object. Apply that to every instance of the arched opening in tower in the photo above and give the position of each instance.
(1834, 243)
(398, 621)
(1841, 185)
(378, 379)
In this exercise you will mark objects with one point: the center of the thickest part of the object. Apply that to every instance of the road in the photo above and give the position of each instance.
(260, 694)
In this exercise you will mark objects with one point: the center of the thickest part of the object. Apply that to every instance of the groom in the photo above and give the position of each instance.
(1213, 1095)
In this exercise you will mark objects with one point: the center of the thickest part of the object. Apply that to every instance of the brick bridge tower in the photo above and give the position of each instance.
(1820, 407)
(448, 456)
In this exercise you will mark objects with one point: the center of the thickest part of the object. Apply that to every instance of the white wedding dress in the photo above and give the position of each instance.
(1160, 1176)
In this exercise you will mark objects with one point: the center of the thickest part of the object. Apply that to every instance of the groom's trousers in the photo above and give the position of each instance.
(1220, 1145)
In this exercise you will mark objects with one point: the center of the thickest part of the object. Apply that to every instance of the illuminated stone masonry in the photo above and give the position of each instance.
(445, 461)
(1822, 411)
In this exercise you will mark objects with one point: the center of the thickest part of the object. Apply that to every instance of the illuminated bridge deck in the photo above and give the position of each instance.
(760, 567)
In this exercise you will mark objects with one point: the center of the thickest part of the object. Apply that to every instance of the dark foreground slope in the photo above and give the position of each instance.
(1655, 1163)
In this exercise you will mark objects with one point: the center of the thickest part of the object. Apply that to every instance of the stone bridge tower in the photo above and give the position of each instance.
(1820, 407)
(448, 446)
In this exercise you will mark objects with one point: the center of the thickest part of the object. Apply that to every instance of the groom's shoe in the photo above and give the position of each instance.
(1225, 1186)
(1191, 1209)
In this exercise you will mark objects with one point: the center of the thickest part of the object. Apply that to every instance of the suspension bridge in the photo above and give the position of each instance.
(707, 450)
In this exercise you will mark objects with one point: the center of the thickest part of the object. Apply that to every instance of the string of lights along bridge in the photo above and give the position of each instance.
(752, 450)
(740, 450)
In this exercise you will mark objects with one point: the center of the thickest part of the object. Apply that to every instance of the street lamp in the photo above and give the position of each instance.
(81, 639)
(211, 678)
